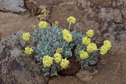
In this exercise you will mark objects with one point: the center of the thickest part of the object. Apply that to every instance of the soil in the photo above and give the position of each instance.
(106, 17)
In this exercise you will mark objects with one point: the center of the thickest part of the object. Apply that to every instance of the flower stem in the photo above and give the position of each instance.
(69, 25)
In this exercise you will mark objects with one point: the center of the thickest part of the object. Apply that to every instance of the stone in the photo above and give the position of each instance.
(82, 4)
(11, 23)
(19, 35)
(65, 80)
(15, 66)
(117, 16)
(121, 3)
(111, 14)
(85, 75)
(124, 13)
(84, 25)
(12, 5)
(16, 52)
(114, 4)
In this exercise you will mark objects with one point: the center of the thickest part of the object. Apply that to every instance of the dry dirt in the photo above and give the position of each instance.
(106, 17)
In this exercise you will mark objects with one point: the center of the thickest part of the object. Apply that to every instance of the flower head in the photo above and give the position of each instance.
(43, 24)
(91, 47)
(28, 50)
(47, 61)
(26, 36)
(34, 26)
(83, 55)
(103, 49)
(64, 63)
(59, 50)
(67, 35)
(108, 44)
(57, 57)
(71, 20)
(86, 40)
(40, 17)
(56, 22)
(106, 47)
(44, 11)
(90, 33)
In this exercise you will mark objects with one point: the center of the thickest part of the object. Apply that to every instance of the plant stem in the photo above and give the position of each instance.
(69, 25)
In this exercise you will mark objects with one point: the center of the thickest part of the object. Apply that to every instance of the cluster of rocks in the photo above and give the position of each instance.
(15, 66)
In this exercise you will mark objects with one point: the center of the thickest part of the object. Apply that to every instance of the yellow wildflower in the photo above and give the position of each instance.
(108, 44)
(59, 50)
(44, 11)
(34, 26)
(64, 63)
(57, 57)
(90, 33)
(68, 38)
(67, 35)
(53, 24)
(43, 24)
(56, 22)
(71, 20)
(86, 40)
(28, 50)
(91, 47)
(39, 16)
(103, 49)
(26, 36)
(65, 31)
(47, 61)
(83, 55)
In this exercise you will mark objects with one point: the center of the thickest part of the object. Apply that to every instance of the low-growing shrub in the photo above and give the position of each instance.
(53, 45)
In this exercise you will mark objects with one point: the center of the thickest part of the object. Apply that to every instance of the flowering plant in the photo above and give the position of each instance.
(87, 52)
(53, 45)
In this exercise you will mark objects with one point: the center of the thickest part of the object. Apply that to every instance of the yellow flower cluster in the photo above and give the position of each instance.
(106, 47)
(28, 50)
(64, 63)
(90, 33)
(26, 36)
(86, 40)
(103, 50)
(56, 22)
(67, 35)
(34, 26)
(44, 11)
(108, 44)
(91, 47)
(71, 20)
(59, 50)
(41, 15)
(83, 55)
(42, 24)
(47, 61)
(57, 57)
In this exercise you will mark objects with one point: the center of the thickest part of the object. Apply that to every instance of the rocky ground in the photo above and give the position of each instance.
(106, 17)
